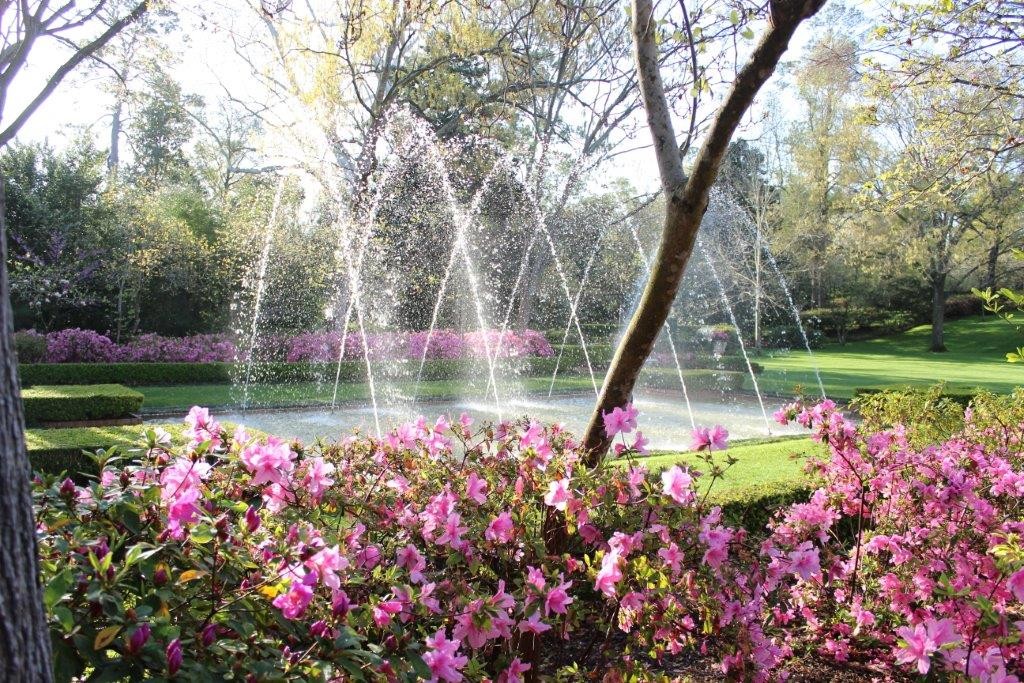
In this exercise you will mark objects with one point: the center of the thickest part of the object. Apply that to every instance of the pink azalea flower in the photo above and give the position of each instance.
(293, 603)
(804, 562)
(558, 494)
(410, 558)
(620, 420)
(202, 427)
(677, 484)
(476, 489)
(534, 624)
(277, 497)
(671, 556)
(640, 445)
(268, 463)
(713, 439)
(558, 599)
(443, 659)
(500, 528)
(385, 611)
(609, 574)
(514, 672)
(326, 564)
(535, 577)
(451, 534)
(368, 558)
(923, 640)
(317, 477)
(1016, 585)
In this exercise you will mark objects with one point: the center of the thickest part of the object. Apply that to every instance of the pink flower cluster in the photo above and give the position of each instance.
(439, 344)
(932, 577)
(438, 547)
(75, 345)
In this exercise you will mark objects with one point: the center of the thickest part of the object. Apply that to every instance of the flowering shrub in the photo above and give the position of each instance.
(419, 556)
(907, 556)
(86, 346)
(438, 344)
(75, 345)
(446, 553)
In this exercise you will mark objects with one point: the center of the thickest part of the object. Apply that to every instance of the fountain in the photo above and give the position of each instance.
(424, 252)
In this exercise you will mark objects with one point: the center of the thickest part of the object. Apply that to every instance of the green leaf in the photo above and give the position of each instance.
(748, 33)
(138, 552)
(734, 17)
(201, 534)
(57, 588)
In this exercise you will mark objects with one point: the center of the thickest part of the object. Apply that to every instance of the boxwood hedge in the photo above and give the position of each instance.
(79, 402)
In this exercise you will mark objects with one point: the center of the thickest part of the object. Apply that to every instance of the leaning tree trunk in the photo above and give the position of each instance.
(687, 198)
(938, 311)
(24, 638)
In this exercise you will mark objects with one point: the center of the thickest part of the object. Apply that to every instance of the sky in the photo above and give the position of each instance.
(209, 66)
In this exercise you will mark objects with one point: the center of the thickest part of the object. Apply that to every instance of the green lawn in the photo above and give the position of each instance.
(759, 462)
(976, 357)
(162, 399)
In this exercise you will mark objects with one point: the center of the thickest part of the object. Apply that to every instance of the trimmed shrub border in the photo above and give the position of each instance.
(173, 374)
(962, 395)
(75, 403)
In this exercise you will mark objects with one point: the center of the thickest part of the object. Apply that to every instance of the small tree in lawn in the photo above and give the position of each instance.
(686, 195)
(46, 27)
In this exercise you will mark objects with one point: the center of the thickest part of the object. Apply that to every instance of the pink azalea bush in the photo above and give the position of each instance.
(907, 556)
(438, 344)
(75, 345)
(417, 556)
(444, 553)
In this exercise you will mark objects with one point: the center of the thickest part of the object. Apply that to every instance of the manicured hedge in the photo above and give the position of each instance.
(130, 374)
(79, 402)
(752, 507)
(150, 374)
(61, 450)
(696, 379)
(573, 357)
(54, 451)
(962, 395)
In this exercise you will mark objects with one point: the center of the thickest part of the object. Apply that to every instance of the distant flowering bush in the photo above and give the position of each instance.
(433, 554)
(75, 345)
(438, 344)
(86, 346)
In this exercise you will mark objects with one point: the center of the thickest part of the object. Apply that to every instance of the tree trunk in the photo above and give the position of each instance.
(938, 311)
(686, 198)
(991, 264)
(24, 637)
(114, 156)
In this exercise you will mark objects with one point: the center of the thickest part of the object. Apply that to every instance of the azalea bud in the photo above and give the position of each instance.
(252, 519)
(67, 488)
(160, 575)
(318, 628)
(138, 638)
(209, 634)
(340, 604)
(174, 656)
